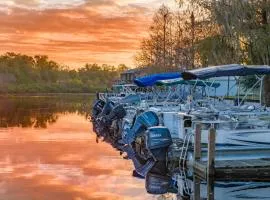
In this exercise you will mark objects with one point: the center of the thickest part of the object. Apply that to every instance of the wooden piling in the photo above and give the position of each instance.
(210, 188)
(197, 188)
(197, 142)
(211, 152)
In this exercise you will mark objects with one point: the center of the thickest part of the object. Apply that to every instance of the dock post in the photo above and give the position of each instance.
(210, 188)
(211, 164)
(211, 152)
(197, 142)
(197, 188)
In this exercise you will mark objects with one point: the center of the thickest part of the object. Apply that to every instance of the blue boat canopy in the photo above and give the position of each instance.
(152, 79)
(226, 70)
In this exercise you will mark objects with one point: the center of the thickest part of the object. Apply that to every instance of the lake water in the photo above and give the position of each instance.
(49, 151)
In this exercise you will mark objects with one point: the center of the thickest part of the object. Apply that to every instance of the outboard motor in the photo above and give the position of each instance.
(160, 184)
(142, 122)
(158, 140)
(157, 184)
(107, 108)
(104, 122)
(142, 167)
(97, 108)
(118, 112)
(99, 127)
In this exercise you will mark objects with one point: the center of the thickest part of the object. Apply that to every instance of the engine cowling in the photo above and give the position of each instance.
(97, 108)
(158, 140)
(104, 122)
(141, 124)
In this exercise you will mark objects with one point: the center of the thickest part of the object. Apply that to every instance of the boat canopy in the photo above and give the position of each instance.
(180, 81)
(226, 70)
(152, 79)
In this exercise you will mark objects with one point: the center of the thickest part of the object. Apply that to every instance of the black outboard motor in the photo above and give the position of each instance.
(97, 108)
(108, 116)
(142, 167)
(157, 184)
(142, 122)
(158, 140)
(118, 112)
(99, 128)
(107, 108)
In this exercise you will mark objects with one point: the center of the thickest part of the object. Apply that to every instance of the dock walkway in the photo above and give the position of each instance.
(235, 170)
(223, 170)
(253, 169)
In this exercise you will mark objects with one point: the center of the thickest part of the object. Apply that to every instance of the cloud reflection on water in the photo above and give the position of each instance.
(63, 161)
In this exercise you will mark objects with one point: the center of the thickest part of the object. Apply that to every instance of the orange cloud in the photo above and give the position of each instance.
(101, 31)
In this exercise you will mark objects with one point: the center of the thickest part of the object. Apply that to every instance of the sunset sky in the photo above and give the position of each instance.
(75, 32)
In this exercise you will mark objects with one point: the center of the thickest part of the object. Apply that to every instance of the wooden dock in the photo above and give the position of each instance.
(238, 170)
(223, 170)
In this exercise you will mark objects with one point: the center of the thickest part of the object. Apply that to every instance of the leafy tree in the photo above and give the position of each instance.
(40, 74)
(209, 32)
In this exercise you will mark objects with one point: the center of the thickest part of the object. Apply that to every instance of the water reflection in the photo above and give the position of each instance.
(39, 112)
(193, 187)
(61, 161)
(48, 152)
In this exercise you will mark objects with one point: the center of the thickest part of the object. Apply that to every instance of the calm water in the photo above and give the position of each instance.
(48, 151)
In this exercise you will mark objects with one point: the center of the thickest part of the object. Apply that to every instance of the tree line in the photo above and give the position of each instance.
(202, 33)
(40, 74)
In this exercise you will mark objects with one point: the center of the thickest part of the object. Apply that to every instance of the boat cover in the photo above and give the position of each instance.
(152, 79)
(180, 81)
(226, 70)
